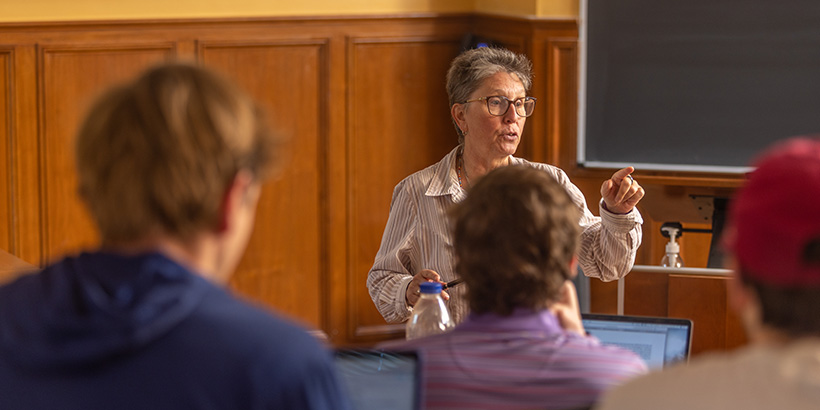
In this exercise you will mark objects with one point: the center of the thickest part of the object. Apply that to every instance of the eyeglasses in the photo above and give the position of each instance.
(499, 105)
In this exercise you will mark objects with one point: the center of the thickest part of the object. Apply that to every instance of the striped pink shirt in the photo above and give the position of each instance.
(417, 236)
(524, 361)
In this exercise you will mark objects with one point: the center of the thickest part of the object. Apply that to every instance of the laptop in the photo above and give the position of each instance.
(659, 341)
(380, 380)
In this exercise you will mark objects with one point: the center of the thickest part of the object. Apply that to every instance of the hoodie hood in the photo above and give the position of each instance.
(85, 309)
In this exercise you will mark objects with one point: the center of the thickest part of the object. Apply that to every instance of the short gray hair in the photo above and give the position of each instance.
(471, 67)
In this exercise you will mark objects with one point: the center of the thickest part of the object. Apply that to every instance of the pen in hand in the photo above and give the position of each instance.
(452, 283)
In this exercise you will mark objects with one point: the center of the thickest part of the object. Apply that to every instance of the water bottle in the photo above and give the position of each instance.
(430, 315)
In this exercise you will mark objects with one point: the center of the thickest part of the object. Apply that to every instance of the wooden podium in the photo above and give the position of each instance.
(690, 293)
(12, 267)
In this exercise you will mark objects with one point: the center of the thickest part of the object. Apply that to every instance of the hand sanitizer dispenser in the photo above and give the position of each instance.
(672, 257)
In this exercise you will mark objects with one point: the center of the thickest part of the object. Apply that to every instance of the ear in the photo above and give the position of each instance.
(573, 267)
(740, 296)
(458, 114)
(744, 301)
(241, 189)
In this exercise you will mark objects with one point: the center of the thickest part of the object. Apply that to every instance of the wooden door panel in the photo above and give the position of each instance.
(6, 158)
(400, 123)
(702, 299)
(283, 265)
(71, 78)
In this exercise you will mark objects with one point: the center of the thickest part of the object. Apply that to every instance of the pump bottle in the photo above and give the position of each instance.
(672, 257)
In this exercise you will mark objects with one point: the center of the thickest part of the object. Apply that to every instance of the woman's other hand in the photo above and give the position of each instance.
(412, 294)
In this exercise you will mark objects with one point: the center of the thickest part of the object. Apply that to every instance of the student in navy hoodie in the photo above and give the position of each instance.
(170, 167)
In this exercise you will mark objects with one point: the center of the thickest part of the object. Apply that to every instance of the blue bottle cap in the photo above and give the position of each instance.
(430, 287)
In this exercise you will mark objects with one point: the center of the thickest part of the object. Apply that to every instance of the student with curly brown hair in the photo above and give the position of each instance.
(523, 344)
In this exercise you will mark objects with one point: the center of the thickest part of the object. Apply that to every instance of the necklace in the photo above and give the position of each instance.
(460, 168)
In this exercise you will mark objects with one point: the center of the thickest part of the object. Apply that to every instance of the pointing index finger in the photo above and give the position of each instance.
(621, 174)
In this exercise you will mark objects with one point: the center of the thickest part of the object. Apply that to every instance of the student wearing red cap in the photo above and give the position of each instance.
(774, 240)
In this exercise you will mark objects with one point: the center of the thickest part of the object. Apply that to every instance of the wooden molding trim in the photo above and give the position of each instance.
(381, 331)
(210, 21)
(8, 212)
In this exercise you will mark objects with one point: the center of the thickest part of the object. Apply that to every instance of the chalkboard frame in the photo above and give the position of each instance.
(747, 150)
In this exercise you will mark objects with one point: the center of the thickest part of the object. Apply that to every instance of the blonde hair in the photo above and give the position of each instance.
(157, 154)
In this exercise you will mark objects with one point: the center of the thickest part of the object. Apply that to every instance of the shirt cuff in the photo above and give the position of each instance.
(401, 300)
(619, 222)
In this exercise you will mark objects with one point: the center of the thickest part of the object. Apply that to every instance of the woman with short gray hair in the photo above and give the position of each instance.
(483, 84)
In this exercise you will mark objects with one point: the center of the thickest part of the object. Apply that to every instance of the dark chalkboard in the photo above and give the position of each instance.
(695, 85)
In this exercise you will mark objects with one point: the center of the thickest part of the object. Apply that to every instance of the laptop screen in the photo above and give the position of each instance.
(659, 341)
(380, 380)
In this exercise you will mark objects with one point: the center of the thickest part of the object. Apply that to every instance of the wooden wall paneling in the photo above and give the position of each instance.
(25, 223)
(557, 43)
(703, 300)
(7, 160)
(284, 265)
(11, 267)
(366, 133)
(646, 294)
(603, 297)
(562, 103)
(399, 124)
(535, 133)
(71, 76)
(337, 194)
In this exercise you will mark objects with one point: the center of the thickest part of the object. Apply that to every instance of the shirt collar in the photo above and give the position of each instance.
(516, 161)
(519, 320)
(445, 179)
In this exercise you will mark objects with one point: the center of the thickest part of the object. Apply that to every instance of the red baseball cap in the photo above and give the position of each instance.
(776, 214)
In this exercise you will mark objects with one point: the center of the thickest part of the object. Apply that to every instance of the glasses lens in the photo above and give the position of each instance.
(497, 105)
(525, 106)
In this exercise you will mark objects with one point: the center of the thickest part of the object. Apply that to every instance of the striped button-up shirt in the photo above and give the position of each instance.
(523, 361)
(418, 236)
